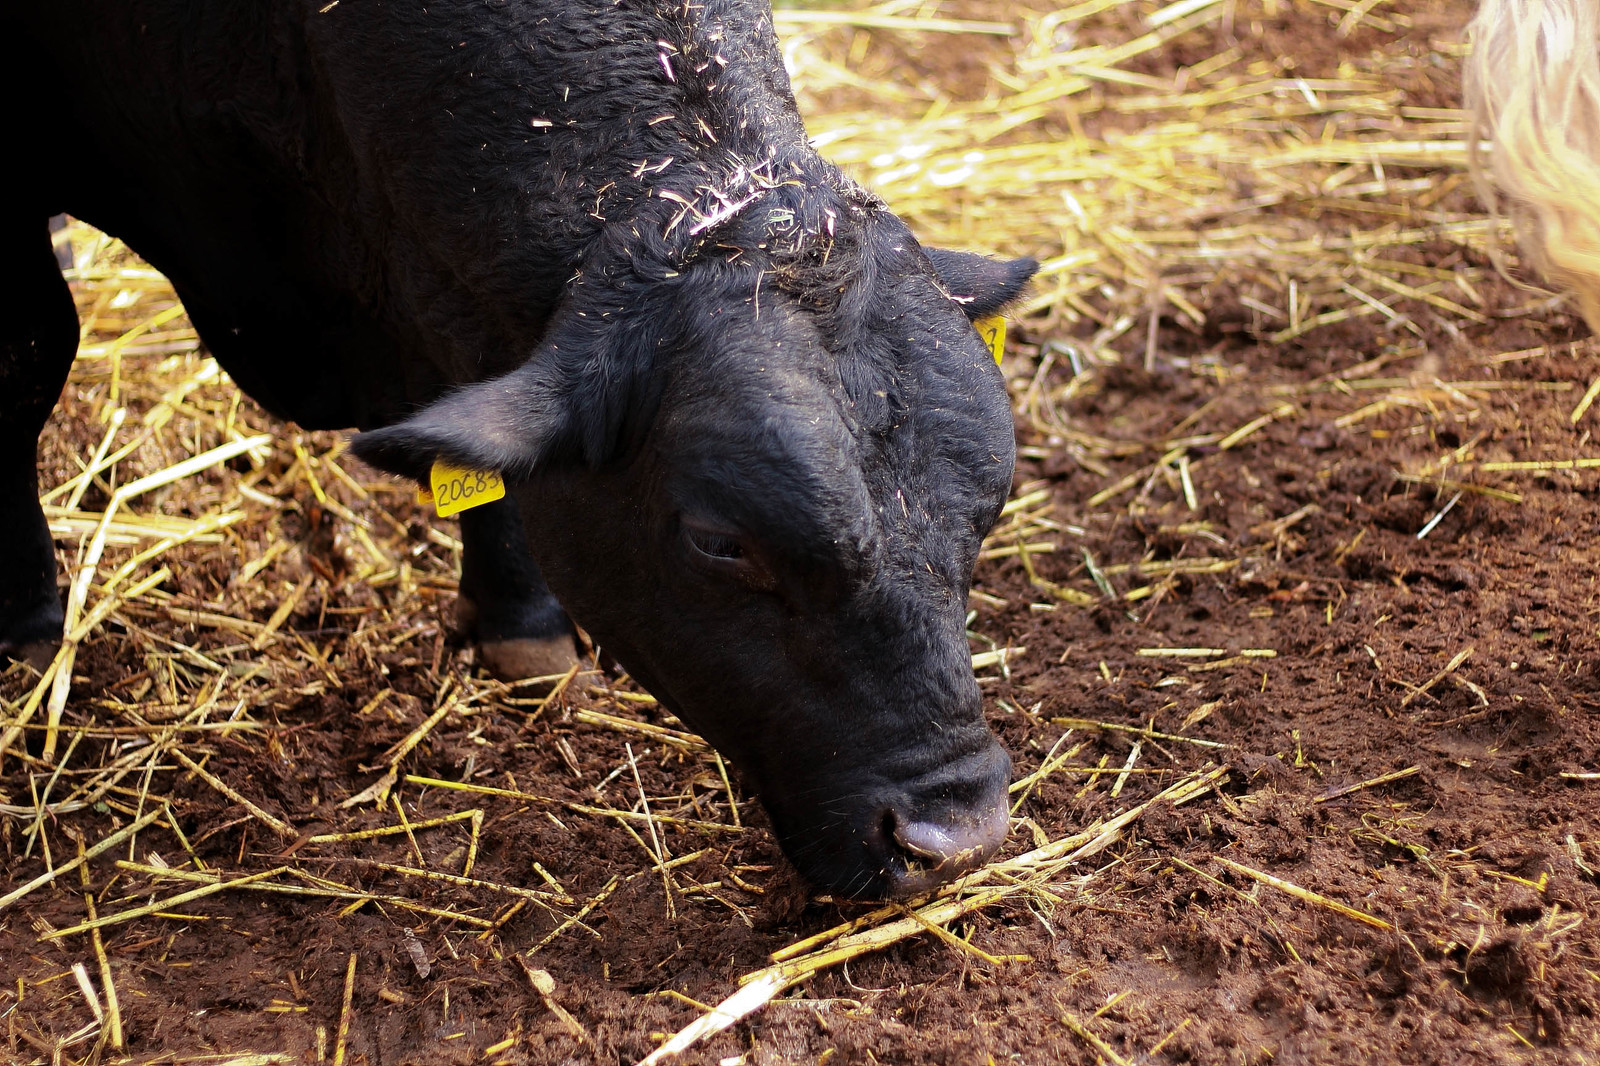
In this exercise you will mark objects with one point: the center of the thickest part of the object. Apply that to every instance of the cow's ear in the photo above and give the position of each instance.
(979, 284)
(572, 400)
(510, 425)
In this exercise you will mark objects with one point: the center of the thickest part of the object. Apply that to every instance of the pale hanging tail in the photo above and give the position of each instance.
(1533, 90)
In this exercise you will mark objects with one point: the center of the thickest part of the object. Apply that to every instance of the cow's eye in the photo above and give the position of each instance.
(713, 544)
(714, 551)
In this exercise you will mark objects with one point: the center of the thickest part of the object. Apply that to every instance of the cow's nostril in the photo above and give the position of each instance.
(937, 826)
(934, 852)
(952, 848)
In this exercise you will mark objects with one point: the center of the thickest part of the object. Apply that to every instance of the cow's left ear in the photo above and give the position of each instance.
(979, 284)
(509, 425)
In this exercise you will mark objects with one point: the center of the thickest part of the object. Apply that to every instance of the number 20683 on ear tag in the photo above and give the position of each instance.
(993, 332)
(453, 489)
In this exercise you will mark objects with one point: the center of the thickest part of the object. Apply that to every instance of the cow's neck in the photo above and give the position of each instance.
(548, 123)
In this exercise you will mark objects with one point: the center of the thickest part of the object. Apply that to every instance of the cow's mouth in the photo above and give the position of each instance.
(926, 853)
(913, 835)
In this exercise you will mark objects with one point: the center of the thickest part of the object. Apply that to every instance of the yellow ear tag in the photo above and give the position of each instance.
(993, 332)
(456, 489)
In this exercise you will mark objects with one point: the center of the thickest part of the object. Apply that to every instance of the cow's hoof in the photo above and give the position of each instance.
(523, 657)
(31, 636)
(466, 619)
(36, 653)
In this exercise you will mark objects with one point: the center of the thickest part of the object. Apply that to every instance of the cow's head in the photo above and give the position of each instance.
(760, 478)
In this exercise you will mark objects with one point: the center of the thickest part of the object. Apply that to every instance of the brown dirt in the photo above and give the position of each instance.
(1465, 654)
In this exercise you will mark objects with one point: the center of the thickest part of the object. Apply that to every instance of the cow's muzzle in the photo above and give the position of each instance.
(946, 825)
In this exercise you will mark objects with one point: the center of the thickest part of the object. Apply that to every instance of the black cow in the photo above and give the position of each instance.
(752, 438)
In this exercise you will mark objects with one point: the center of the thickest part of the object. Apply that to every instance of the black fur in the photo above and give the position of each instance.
(586, 243)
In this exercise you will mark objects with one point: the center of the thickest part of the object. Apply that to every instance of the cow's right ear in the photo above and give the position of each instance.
(510, 424)
(979, 284)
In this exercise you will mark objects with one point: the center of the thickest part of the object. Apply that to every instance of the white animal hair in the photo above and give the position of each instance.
(1533, 90)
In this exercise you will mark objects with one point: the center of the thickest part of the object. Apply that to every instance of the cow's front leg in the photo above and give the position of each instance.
(38, 339)
(520, 628)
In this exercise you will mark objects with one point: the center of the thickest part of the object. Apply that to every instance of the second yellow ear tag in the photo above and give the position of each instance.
(993, 332)
(456, 489)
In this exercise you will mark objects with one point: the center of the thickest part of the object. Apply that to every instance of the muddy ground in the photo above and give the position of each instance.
(1296, 559)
